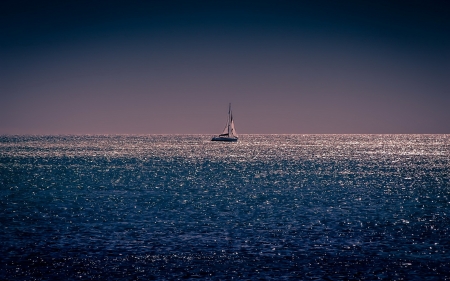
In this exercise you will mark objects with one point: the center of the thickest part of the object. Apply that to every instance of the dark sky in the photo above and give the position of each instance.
(151, 67)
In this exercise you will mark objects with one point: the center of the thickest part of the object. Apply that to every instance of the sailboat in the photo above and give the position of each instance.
(229, 133)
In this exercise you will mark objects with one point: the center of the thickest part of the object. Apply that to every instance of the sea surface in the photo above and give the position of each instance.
(270, 207)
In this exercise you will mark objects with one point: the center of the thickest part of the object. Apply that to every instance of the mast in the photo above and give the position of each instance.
(229, 118)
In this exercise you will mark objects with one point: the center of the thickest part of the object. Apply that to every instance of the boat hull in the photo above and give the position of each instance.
(224, 139)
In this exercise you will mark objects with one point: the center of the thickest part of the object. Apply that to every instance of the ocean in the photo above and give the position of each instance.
(270, 207)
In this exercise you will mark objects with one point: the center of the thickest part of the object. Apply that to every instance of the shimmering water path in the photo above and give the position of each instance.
(273, 207)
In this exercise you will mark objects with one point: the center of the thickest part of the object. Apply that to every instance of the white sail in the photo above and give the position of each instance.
(233, 130)
(225, 131)
(229, 132)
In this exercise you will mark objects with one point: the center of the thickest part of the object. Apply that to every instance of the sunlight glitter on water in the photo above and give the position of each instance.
(272, 207)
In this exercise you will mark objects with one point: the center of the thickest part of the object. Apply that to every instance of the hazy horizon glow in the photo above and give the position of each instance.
(173, 67)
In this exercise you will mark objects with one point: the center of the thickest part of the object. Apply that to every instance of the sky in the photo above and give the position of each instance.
(172, 67)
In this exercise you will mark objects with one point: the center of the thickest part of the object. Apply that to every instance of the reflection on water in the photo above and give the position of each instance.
(270, 206)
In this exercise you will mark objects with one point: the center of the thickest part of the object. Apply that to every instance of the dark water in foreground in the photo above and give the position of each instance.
(333, 207)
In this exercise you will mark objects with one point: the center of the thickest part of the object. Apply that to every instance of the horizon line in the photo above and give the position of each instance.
(203, 134)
